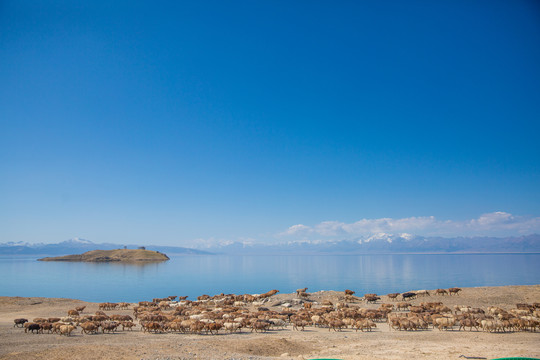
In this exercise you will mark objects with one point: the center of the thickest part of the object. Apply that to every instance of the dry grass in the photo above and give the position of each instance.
(124, 255)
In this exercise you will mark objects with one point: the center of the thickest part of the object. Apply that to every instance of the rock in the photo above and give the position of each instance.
(284, 355)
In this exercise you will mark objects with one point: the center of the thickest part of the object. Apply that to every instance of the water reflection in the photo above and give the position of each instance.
(195, 275)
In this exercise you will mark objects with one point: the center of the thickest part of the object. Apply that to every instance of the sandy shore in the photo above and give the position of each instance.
(382, 343)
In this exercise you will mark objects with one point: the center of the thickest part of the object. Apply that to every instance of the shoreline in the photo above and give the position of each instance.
(315, 342)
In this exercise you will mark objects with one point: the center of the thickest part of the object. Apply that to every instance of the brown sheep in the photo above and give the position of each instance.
(197, 327)
(268, 294)
(364, 324)
(127, 324)
(441, 292)
(151, 326)
(402, 306)
(349, 292)
(299, 323)
(406, 324)
(109, 326)
(468, 323)
(46, 327)
(213, 327)
(336, 325)
(371, 298)
(422, 293)
(454, 291)
(260, 325)
(89, 327)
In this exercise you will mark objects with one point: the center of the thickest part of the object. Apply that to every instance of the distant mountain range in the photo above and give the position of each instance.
(388, 243)
(78, 246)
(375, 244)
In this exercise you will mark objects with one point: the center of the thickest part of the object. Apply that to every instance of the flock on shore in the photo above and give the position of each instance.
(232, 313)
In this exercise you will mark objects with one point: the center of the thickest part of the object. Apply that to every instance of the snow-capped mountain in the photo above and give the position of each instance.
(387, 243)
(78, 245)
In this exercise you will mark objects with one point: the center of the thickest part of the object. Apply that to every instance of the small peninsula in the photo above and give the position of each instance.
(120, 255)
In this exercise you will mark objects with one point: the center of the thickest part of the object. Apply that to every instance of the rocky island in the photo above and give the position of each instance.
(119, 255)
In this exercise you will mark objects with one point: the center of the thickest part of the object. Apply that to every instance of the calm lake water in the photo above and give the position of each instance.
(196, 275)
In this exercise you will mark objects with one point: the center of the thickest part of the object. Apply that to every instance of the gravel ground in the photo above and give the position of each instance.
(382, 343)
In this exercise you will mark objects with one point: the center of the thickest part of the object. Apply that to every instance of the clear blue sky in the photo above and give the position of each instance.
(166, 122)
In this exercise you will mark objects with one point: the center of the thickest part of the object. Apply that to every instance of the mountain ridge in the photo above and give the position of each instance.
(380, 243)
(388, 244)
(77, 245)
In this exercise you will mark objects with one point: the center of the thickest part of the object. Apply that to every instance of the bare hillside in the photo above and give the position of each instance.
(124, 255)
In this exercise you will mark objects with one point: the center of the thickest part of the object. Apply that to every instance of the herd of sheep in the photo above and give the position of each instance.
(232, 313)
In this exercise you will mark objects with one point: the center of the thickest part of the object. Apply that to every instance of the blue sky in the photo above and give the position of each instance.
(175, 121)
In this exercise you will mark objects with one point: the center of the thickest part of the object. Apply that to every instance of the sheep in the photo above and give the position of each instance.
(19, 322)
(260, 325)
(336, 325)
(441, 292)
(317, 320)
(491, 325)
(278, 323)
(66, 329)
(419, 322)
(402, 306)
(213, 326)
(174, 326)
(444, 322)
(461, 308)
(454, 291)
(197, 327)
(408, 295)
(299, 323)
(371, 298)
(232, 326)
(422, 293)
(109, 326)
(127, 324)
(268, 294)
(349, 292)
(406, 324)
(300, 291)
(364, 324)
(468, 323)
(89, 327)
(31, 327)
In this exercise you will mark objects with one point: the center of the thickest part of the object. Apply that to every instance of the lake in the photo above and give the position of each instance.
(194, 275)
